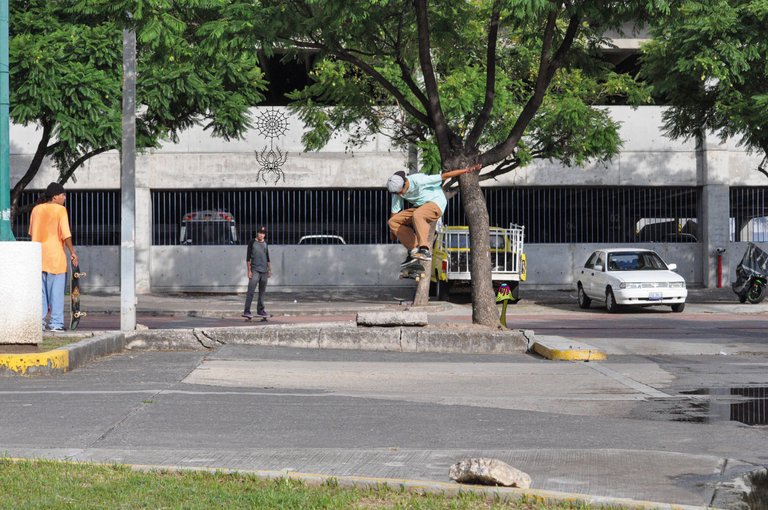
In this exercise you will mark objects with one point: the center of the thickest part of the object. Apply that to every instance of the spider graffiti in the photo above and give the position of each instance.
(271, 160)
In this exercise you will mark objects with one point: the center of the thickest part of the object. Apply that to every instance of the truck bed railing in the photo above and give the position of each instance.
(505, 252)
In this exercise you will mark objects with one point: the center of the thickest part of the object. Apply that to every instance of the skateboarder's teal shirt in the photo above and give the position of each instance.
(422, 189)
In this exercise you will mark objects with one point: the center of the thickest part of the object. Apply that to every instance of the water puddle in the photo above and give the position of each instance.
(747, 405)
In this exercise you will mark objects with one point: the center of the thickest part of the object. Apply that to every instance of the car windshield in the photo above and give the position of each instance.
(460, 240)
(497, 241)
(635, 261)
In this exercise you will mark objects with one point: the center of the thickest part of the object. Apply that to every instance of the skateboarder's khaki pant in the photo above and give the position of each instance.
(411, 226)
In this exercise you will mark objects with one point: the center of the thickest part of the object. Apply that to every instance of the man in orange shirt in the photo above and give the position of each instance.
(49, 226)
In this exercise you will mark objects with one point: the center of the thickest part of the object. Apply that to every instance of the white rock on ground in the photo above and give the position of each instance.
(488, 472)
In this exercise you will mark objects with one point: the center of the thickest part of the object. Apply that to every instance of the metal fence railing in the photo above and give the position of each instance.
(359, 215)
(94, 216)
(592, 215)
(749, 214)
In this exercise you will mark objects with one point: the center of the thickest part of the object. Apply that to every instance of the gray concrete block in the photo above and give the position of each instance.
(463, 339)
(165, 339)
(454, 338)
(368, 339)
(392, 318)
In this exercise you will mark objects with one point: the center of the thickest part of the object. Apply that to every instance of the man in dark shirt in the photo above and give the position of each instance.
(259, 270)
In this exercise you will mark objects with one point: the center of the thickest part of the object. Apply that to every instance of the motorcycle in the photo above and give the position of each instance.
(752, 275)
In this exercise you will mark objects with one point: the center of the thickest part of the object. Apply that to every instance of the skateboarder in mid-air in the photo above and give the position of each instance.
(259, 270)
(425, 194)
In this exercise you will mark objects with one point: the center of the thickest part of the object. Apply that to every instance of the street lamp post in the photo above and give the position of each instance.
(6, 233)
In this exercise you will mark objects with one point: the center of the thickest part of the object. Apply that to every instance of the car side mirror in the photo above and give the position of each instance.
(598, 268)
(672, 267)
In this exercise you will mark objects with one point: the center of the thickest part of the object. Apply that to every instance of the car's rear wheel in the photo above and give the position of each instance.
(584, 300)
(610, 302)
(678, 307)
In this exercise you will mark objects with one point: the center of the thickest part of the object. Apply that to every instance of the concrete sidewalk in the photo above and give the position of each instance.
(341, 301)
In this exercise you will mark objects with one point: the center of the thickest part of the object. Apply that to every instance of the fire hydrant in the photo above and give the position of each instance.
(504, 296)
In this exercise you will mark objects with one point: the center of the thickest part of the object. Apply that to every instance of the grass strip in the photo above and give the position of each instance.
(38, 484)
(50, 343)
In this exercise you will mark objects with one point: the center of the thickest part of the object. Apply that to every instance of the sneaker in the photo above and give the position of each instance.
(263, 313)
(56, 329)
(247, 315)
(423, 254)
(408, 261)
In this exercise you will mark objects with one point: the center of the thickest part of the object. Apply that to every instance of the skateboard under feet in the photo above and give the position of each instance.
(260, 318)
(414, 271)
(74, 297)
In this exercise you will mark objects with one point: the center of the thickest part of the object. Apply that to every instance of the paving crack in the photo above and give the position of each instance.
(206, 340)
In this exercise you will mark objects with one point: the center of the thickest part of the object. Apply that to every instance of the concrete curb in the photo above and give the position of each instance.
(451, 339)
(563, 349)
(431, 487)
(58, 361)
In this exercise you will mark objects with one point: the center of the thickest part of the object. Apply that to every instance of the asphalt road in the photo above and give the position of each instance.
(657, 421)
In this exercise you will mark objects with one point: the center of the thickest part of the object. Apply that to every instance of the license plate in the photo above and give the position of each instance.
(654, 296)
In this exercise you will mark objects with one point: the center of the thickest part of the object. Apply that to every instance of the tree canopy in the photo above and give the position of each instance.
(506, 81)
(707, 59)
(66, 76)
(495, 82)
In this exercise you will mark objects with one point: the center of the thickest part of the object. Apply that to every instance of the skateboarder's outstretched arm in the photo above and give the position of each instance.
(450, 174)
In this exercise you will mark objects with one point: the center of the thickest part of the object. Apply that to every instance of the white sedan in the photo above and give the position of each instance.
(629, 276)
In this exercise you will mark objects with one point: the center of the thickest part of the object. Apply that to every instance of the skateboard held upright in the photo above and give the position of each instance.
(74, 297)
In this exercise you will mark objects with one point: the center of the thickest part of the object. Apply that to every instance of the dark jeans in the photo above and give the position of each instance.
(261, 280)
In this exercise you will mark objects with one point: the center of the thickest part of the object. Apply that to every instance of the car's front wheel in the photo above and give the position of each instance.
(610, 302)
(678, 307)
(584, 300)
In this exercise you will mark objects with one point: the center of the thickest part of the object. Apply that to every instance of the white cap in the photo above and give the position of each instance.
(395, 183)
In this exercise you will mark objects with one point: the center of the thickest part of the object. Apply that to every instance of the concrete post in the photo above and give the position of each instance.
(128, 187)
(713, 170)
(21, 293)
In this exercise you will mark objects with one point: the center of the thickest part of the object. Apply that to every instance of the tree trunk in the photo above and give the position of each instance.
(32, 169)
(422, 289)
(484, 309)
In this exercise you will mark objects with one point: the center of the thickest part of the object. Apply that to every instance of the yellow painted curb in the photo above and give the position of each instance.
(578, 353)
(22, 363)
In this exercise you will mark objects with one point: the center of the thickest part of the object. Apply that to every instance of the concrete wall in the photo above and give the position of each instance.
(198, 161)
(553, 265)
(648, 158)
(222, 269)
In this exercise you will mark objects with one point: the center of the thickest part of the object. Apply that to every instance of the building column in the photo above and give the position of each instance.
(712, 161)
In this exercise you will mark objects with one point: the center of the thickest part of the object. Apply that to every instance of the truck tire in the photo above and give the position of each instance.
(442, 290)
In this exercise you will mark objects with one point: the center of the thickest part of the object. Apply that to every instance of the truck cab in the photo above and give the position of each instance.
(208, 227)
(451, 258)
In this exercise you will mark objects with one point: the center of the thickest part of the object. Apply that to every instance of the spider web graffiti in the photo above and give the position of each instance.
(271, 124)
